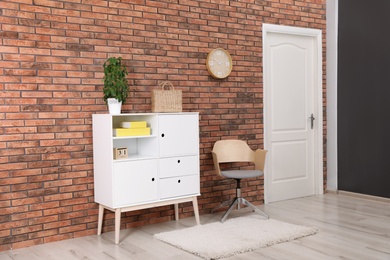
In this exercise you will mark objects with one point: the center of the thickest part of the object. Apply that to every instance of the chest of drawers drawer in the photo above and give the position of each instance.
(179, 186)
(179, 166)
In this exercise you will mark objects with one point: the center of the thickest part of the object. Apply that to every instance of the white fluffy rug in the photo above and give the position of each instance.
(234, 236)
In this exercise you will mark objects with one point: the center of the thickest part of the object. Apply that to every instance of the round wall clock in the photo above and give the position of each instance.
(219, 63)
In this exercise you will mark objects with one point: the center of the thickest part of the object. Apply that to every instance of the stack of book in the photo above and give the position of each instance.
(138, 128)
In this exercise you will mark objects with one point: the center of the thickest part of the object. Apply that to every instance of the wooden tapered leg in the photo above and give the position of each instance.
(176, 211)
(117, 225)
(196, 210)
(100, 220)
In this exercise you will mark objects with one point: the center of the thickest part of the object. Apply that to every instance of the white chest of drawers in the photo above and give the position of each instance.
(161, 168)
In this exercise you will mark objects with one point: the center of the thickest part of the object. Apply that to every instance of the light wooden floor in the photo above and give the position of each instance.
(350, 228)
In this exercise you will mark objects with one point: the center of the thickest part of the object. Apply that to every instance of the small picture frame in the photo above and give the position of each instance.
(120, 153)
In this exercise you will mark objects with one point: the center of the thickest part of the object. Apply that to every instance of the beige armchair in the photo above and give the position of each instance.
(235, 151)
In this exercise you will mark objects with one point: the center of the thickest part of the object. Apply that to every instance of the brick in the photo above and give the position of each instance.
(41, 220)
(42, 234)
(48, 3)
(4, 189)
(27, 172)
(73, 201)
(81, 167)
(13, 239)
(79, 34)
(53, 142)
(57, 238)
(72, 148)
(57, 224)
(16, 13)
(88, 232)
(24, 130)
(39, 136)
(5, 233)
(80, 60)
(59, 197)
(55, 170)
(91, 208)
(28, 243)
(73, 188)
(42, 192)
(27, 215)
(42, 164)
(33, 80)
(67, 95)
(80, 194)
(26, 186)
(60, 183)
(40, 150)
(9, 34)
(67, 13)
(5, 204)
(52, 115)
(14, 195)
(66, 26)
(46, 73)
(56, 211)
(69, 135)
(14, 209)
(78, 7)
(14, 166)
(72, 215)
(25, 201)
(5, 247)
(92, 28)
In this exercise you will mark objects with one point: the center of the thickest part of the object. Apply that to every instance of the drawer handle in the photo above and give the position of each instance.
(178, 161)
(178, 181)
(162, 135)
(152, 179)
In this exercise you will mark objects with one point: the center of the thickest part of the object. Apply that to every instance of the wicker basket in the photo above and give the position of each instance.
(166, 99)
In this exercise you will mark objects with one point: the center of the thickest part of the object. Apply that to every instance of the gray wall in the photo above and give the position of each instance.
(363, 93)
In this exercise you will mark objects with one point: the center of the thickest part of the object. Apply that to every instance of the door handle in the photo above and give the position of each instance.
(312, 118)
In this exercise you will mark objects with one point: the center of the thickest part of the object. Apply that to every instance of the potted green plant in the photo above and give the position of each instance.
(116, 86)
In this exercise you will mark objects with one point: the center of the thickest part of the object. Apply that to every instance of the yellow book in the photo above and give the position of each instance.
(135, 124)
(118, 132)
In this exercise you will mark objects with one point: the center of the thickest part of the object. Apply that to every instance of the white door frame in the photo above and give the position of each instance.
(318, 129)
(331, 93)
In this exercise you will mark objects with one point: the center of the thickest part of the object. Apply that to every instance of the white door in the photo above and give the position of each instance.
(292, 112)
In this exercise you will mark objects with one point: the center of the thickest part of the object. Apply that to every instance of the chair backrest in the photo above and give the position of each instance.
(226, 151)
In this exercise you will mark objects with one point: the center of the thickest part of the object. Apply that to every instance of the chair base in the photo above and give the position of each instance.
(238, 201)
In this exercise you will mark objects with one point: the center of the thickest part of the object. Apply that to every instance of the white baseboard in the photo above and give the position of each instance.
(359, 195)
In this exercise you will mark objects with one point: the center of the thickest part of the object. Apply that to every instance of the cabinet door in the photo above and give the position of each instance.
(178, 135)
(135, 182)
(179, 166)
(179, 186)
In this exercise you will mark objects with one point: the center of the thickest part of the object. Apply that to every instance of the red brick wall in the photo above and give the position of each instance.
(51, 56)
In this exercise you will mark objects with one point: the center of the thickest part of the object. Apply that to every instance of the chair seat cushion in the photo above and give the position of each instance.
(242, 174)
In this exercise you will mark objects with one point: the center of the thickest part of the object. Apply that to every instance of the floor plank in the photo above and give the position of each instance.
(350, 228)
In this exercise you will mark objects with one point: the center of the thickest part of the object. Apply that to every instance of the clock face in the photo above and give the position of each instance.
(219, 63)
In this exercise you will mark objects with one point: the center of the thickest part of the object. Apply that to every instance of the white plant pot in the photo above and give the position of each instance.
(114, 106)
